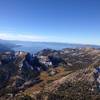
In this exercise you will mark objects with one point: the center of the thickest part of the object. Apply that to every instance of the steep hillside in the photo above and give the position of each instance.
(66, 74)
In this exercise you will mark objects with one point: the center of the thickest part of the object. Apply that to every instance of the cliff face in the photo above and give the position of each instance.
(60, 74)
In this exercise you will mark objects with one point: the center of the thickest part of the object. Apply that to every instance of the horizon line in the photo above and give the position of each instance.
(52, 42)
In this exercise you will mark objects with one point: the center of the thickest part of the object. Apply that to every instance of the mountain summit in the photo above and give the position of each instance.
(60, 73)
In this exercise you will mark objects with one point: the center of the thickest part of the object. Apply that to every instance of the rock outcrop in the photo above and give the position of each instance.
(60, 74)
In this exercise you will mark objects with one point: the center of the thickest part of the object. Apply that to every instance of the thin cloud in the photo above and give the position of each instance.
(46, 38)
(22, 37)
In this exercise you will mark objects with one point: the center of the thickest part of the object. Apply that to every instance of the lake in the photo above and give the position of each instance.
(34, 47)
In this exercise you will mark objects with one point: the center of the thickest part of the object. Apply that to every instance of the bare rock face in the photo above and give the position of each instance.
(4, 76)
(97, 77)
(18, 70)
(80, 83)
(61, 74)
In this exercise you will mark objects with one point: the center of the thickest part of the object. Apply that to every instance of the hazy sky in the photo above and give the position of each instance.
(71, 21)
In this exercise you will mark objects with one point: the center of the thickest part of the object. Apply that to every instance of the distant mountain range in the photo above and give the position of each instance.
(34, 47)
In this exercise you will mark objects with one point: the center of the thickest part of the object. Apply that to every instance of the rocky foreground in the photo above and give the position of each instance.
(66, 74)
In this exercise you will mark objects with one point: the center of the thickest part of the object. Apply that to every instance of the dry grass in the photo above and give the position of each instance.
(47, 80)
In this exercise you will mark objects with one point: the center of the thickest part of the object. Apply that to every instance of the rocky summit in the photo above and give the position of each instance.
(67, 74)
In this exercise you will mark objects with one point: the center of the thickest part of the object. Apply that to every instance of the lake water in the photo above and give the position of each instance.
(34, 47)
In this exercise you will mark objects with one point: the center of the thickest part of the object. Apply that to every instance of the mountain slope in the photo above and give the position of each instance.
(76, 83)
(50, 74)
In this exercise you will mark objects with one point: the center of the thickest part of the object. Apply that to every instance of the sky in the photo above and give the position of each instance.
(68, 21)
